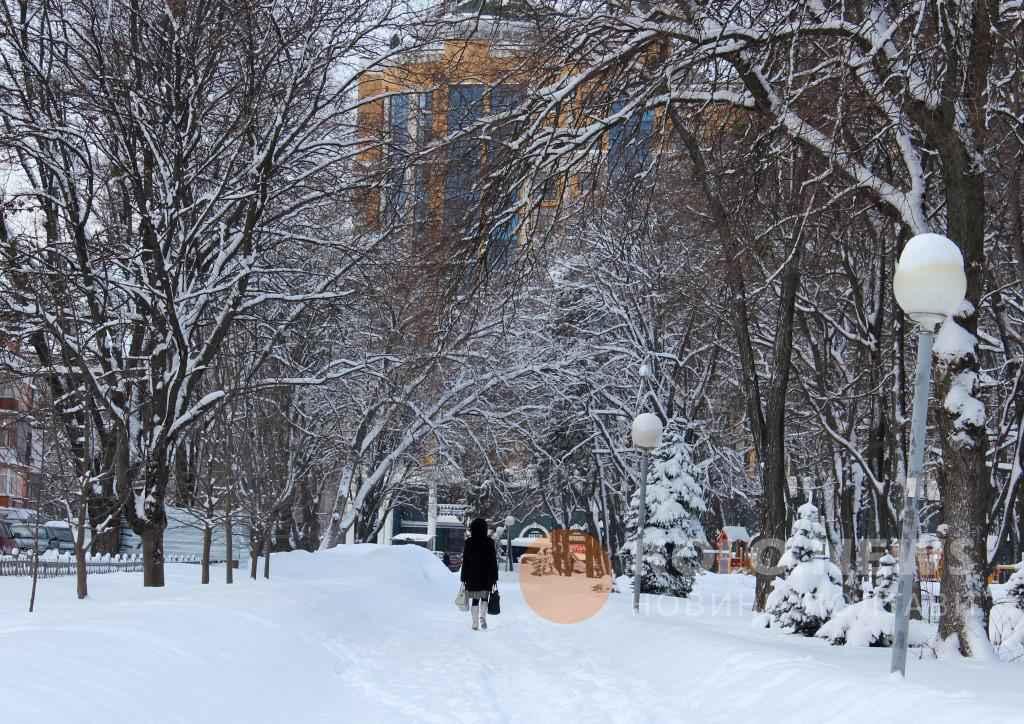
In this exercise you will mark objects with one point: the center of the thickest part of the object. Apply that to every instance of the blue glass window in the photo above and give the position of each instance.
(395, 191)
(629, 145)
(461, 197)
(424, 135)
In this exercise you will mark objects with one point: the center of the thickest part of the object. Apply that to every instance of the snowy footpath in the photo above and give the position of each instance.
(369, 634)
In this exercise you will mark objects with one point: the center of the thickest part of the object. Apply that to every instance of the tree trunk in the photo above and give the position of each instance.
(267, 546)
(105, 523)
(35, 564)
(153, 556)
(81, 573)
(254, 553)
(207, 542)
(229, 544)
(966, 492)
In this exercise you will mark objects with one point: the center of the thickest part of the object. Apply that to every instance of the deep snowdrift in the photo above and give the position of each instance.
(363, 633)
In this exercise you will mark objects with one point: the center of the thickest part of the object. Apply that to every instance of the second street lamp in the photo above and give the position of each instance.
(929, 285)
(646, 430)
(509, 522)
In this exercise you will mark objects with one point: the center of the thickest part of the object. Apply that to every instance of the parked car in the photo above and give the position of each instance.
(61, 538)
(13, 516)
(25, 537)
(7, 543)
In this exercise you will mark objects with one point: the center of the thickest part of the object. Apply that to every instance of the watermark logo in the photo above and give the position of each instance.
(566, 577)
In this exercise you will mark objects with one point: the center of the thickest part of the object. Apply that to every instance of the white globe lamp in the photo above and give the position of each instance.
(930, 282)
(646, 430)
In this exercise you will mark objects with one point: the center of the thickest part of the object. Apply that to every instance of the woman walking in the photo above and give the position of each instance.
(479, 571)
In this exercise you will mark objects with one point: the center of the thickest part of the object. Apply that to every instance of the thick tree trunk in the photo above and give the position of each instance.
(153, 556)
(105, 523)
(966, 493)
(851, 563)
(207, 542)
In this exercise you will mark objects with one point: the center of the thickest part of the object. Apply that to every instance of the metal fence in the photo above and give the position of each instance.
(66, 565)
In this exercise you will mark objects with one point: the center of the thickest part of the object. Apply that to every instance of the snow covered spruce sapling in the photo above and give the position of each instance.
(887, 581)
(811, 590)
(869, 622)
(675, 503)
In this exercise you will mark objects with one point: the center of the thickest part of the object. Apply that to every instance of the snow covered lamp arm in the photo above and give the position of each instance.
(930, 282)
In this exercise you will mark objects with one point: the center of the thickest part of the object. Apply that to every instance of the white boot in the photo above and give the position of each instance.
(483, 616)
(476, 617)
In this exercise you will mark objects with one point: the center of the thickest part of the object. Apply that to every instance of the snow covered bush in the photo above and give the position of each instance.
(1015, 586)
(675, 503)
(863, 624)
(887, 581)
(811, 590)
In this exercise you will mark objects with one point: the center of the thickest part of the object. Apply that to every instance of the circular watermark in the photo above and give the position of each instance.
(566, 577)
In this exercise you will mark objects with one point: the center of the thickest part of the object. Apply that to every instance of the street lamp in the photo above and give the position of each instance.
(510, 520)
(646, 431)
(929, 285)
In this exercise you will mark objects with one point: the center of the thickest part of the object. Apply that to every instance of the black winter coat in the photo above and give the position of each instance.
(479, 564)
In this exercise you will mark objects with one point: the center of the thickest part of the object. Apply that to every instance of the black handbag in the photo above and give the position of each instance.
(494, 603)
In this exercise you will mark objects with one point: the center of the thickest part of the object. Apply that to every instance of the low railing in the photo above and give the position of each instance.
(51, 566)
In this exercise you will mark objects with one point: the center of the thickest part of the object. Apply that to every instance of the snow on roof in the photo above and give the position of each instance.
(736, 533)
(412, 537)
(530, 542)
(443, 521)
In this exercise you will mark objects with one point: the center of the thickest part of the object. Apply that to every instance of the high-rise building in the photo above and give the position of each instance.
(431, 91)
(475, 64)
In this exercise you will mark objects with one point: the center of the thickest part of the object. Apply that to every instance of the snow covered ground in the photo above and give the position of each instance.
(364, 633)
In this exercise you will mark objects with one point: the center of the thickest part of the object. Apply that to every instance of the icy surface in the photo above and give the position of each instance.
(363, 633)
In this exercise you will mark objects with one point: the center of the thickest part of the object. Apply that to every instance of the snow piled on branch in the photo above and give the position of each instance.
(953, 342)
(953, 345)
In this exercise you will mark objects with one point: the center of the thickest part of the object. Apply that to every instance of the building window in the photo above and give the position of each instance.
(398, 153)
(629, 145)
(409, 129)
(8, 434)
(461, 195)
(8, 396)
(10, 485)
(424, 134)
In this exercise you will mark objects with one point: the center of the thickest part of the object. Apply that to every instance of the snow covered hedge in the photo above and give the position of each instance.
(1015, 586)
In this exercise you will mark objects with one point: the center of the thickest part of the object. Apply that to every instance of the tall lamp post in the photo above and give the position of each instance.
(509, 522)
(646, 431)
(929, 285)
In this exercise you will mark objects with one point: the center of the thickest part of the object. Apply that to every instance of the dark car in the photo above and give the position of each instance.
(7, 543)
(61, 539)
(25, 538)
